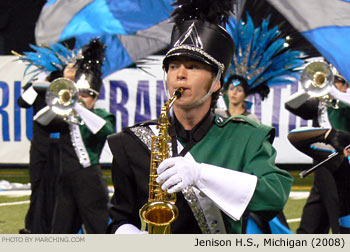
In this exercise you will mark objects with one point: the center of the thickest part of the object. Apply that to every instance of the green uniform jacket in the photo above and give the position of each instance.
(340, 118)
(241, 144)
(94, 143)
(84, 149)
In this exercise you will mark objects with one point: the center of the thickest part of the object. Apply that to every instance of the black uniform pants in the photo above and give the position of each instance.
(43, 171)
(82, 198)
(328, 200)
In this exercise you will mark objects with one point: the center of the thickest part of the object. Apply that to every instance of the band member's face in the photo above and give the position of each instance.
(236, 94)
(69, 72)
(88, 99)
(193, 76)
(341, 86)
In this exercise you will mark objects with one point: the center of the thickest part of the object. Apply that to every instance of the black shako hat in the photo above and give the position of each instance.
(89, 75)
(198, 33)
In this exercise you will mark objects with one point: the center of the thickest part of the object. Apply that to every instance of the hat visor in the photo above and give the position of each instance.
(197, 56)
(89, 91)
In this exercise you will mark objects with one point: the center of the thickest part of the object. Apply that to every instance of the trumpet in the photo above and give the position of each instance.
(317, 79)
(62, 95)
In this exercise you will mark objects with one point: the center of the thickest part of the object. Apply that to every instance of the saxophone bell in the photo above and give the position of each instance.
(159, 215)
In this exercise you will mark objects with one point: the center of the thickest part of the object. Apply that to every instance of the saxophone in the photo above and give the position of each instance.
(160, 210)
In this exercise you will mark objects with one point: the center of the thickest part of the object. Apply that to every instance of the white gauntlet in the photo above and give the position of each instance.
(297, 99)
(44, 116)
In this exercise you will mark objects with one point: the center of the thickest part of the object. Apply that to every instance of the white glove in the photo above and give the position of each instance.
(177, 173)
(129, 229)
(30, 95)
(230, 190)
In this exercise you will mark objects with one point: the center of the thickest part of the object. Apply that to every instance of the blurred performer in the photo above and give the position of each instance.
(212, 188)
(237, 91)
(82, 193)
(252, 72)
(328, 203)
(44, 150)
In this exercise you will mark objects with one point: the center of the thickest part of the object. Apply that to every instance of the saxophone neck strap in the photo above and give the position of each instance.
(189, 137)
(184, 150)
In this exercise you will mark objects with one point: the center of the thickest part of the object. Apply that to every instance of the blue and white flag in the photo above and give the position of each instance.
(130, 29)
(325, 23)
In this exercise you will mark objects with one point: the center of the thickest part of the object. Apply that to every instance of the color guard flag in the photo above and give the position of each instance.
(130, 29)
(325, 23)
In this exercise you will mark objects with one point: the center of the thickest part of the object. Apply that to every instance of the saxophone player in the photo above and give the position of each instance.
(218, 167)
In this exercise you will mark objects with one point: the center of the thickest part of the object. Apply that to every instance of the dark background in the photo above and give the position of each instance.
(17, 23)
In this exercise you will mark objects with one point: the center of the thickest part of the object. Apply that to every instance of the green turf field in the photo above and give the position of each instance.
(13, 208)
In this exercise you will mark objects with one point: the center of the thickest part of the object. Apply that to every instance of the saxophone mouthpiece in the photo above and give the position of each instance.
(178, 92)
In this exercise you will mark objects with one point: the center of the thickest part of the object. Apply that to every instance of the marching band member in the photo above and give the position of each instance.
(252, 73)
(328, 203)
(219, 167)
(82, 193)
(44, 149)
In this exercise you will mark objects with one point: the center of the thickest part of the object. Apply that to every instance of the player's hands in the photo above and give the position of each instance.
(347, 151)
(177, 173)
(338, 139)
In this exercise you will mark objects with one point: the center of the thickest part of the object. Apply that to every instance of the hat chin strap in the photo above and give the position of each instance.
(204, 98)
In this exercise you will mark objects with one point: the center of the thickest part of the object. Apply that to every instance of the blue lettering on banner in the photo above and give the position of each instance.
(29, 123)
(292, 117)
(17, 111)
(276, 108)
(115, 107)
(4, 115)
(102, 93)
(256, 105)
(142, 95)
(161, 97)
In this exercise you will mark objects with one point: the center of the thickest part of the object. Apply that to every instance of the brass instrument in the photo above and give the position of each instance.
(61, 96)
(317, 79)
(160, 210)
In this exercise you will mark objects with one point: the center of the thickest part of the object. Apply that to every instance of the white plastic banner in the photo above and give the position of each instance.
(133, 96)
